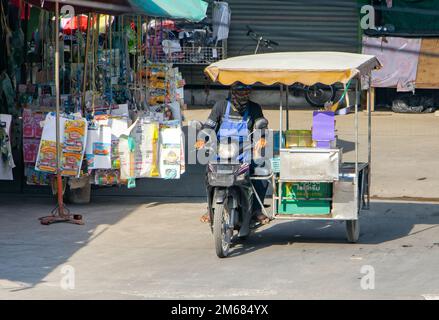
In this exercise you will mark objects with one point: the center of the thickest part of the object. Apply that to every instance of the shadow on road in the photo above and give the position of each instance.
(386, 221)
(29, 252)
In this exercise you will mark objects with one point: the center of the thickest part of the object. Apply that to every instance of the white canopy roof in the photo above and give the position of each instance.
(291, 67)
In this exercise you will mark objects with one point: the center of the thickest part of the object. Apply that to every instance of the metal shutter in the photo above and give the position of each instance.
(297, 25)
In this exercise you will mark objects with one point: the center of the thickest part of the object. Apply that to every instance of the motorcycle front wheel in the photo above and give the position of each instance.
(222, 232)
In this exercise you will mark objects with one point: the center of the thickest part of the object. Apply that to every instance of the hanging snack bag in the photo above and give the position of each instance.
(71, 163)
(74, 135)
(170, 152)
(146, 135)
(46, 160)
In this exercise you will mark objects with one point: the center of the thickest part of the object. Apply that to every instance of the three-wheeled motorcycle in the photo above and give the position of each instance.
(310, 178)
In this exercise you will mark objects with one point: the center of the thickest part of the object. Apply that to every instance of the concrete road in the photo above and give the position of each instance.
(137, 248)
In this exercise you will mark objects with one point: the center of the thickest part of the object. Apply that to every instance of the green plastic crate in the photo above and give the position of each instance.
(306, 198)
(305, 207)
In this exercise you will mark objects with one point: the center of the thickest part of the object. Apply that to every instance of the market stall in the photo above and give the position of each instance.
(97, 107)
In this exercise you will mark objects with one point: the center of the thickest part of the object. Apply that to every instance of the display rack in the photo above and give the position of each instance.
(189, 55)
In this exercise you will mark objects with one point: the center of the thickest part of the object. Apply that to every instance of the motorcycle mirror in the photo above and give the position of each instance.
(261, 123)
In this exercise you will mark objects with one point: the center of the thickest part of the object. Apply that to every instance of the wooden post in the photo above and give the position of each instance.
(58, 129)
(84, 78)
(371, 99)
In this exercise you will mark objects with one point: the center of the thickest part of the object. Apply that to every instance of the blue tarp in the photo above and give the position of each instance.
(192, 10)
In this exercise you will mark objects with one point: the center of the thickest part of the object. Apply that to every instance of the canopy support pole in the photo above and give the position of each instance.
(287, 108)
(281, 115)
(60, 213)
(369, 137)
(356, 181)
(279, 192)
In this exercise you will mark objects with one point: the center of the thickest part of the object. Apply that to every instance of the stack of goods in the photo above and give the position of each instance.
(188, 42)
(32, 132)
(33, 100)
(166, 92)
(166, 99)
(163, 41)
(102, 150)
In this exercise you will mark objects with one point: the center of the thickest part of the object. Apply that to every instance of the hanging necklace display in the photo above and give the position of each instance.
(93, 69)
(139, 62)
(110, 62)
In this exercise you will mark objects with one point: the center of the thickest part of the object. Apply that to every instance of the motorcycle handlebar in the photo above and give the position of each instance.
(258, 37)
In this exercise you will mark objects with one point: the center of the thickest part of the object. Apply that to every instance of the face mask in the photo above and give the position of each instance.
(240, 99)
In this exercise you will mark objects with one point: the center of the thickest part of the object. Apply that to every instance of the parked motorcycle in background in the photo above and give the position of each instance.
(318, 95)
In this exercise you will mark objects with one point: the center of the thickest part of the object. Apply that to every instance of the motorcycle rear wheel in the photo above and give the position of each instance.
(318, 94)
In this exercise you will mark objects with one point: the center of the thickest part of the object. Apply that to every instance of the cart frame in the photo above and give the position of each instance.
(360, 182)
(351, 181)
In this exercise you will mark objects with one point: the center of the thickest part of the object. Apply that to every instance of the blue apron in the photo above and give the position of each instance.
(235, 130)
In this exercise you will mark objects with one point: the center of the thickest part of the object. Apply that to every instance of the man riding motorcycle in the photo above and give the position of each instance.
(237, 115)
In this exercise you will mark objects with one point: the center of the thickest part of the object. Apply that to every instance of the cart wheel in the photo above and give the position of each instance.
(222, 233)
(352, 230)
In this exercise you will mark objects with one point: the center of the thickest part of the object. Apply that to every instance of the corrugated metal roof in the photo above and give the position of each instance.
(296, 25)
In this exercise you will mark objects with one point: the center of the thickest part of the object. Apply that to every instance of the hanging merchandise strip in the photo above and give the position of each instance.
(111, 60)
(87, 48)
(95, 55)
(170, 150)
(113, 81)
(98, 150)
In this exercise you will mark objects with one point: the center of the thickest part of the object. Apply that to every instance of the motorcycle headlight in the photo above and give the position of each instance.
(228, 150)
